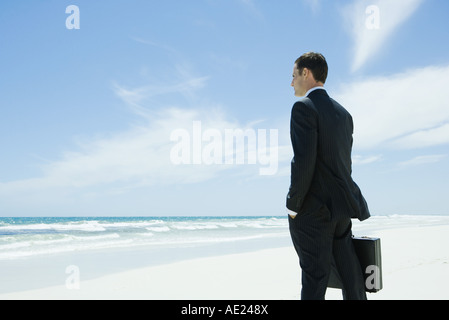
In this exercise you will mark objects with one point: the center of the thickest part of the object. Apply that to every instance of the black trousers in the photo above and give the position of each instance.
(318, 238)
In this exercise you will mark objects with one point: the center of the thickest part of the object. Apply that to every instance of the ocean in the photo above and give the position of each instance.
(40, 236)
(28, 237)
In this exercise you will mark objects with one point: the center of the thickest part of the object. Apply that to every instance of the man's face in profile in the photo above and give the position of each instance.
(298, 83)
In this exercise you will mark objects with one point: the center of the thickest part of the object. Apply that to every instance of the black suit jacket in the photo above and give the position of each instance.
(321, 134)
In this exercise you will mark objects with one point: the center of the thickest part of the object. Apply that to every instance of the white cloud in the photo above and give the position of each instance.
(425, 138)
(155, 44)
(185, 86)
(373, 22)
(423, 160)
(360, 160)
(135, 156)
(406, 110)
(141, 155)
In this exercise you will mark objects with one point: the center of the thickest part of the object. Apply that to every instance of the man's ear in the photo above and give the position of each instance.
(305, 72)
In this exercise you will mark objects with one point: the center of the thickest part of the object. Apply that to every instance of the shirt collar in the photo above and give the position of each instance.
(313, 89)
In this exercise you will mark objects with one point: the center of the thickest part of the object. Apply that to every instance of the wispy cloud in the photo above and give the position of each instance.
(154, 44)
(368, 41)
(423, 160)
(141, 156)
(425, 138)
(405, 110)
(138, 95)
(183, 86)
(361, 160)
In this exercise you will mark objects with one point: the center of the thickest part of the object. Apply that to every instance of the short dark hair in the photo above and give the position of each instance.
(316, 63)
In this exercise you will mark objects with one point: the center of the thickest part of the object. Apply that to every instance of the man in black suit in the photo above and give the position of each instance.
(322, 197)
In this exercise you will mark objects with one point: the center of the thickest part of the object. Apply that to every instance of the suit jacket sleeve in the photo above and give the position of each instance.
(304, 137)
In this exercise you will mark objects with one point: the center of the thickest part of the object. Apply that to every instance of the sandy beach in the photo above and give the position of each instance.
(415, 264)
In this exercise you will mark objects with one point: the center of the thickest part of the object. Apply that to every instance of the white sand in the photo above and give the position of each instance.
(415, 266)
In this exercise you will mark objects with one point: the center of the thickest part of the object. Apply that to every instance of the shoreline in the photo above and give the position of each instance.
(205, 278)
(41, 272)
(415, 265)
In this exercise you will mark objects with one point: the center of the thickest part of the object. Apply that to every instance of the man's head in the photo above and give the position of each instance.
(310, 70)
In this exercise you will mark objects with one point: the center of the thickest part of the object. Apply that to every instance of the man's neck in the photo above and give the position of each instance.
(318, 86)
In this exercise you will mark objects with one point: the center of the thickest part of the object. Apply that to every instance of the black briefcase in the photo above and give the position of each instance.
(369, 254)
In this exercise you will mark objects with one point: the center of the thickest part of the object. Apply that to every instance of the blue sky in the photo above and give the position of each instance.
(87, 114)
